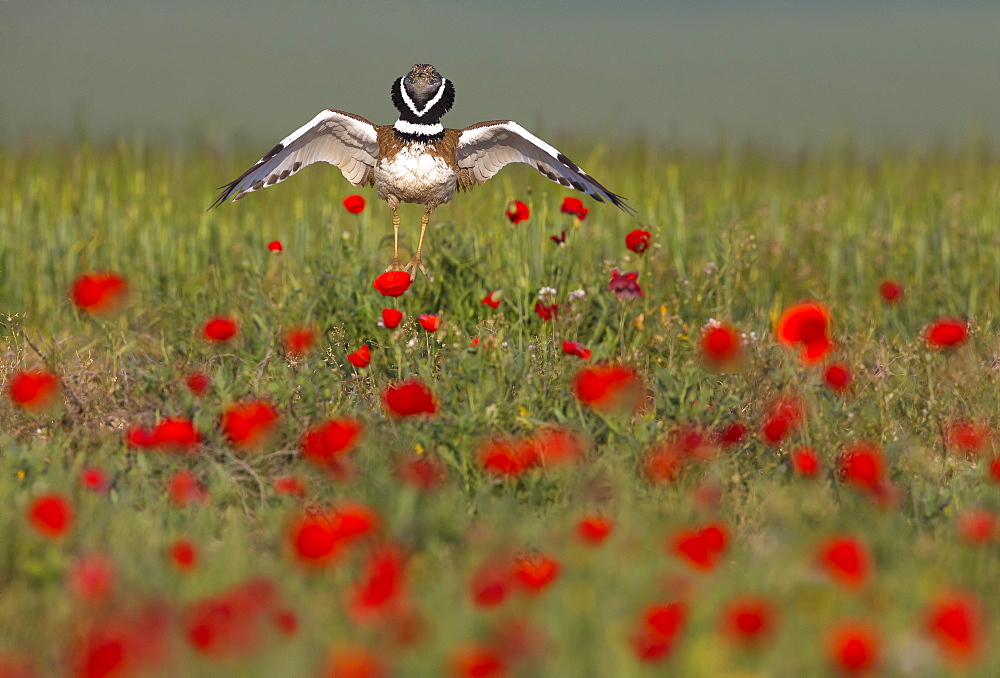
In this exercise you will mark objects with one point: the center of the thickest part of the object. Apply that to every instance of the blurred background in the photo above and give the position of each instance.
(789, 75)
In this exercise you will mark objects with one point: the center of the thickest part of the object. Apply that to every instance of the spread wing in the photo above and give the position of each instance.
(342, 139)
(484, 148)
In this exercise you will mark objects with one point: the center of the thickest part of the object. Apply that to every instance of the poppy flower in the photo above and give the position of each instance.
(517, 212)
(476, 661)
(354, 204)
(182, 555)
(665, 462)
(560, 239)
(275, 246)
(423, 473)
(783, 417)
(94, 479)
(805, 326)
(658, 631)
(853, 648)
(99, 293)
(978, 526)
(508, 458)
(33, 390)
(846, 560)
(409, 398)
(430, 322)
(556, 446)
(219, 329)
(232, 623)
(392, 283)
(625, 285)
(721, 346)
(362, 357)
(608, 386)
(968, 437)
(492, 299)
(891, 292)
(837, 377)
(955, 623)
(701, 548)
(391, 318)
(381, 585)
(248, 424)
(862, 464)
(748, 620)
(638, 240)
(490, 584)
(124, 645)
(172, 434)
(546, 313)
(535, 572)
(298, 341)
(326, 442)
(314, 539)
(291, 486)
(574, 206)
(577, 349)
(594, 529)
(50, 515)
(730, 434)
(355, 662)
(805, 462)
(198, 383)
(185, 489)
(91, 578)
(946, 333)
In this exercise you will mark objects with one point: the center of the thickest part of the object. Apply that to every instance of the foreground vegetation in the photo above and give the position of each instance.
(736, 237)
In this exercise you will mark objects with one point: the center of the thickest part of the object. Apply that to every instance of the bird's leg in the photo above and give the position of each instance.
(394, 265)
(415, 262)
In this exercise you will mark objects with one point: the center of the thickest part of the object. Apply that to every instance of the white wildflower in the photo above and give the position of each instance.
(577, 294)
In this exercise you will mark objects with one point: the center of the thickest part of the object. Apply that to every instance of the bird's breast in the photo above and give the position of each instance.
(415, 174)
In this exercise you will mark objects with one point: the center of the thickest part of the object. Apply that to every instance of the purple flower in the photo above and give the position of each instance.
(625, 285)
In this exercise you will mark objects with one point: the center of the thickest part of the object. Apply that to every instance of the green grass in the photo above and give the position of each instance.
(736, 236)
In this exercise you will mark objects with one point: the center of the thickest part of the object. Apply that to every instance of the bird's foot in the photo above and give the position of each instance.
(394, 265)
(415, 265)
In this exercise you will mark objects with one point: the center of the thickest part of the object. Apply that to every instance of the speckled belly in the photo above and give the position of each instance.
(413, 175)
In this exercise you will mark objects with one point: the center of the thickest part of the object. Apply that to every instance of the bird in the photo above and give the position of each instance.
(416, 159)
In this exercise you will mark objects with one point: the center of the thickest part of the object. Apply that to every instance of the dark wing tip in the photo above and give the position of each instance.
(616, 200)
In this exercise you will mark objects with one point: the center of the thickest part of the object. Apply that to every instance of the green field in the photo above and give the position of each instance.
(737, 236)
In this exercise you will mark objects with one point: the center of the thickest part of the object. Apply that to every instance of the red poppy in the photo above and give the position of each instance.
(99, 293)
(658, 631)
(993, 470)
(721, 346)
(968, 437)
(955, 622)
(846, 560)
(354, 204)
(784, 417)
(805, 326)
(546, 313)
(517, 212)
(665, 462)
(837, 377)
(608, 386)
(554, 446)
(355, 662)
(409, 398)
(298, 341)
(430, 322)
(701, 548)
(219, 329)
(232, 623)
(891, 292)
(275, 246)
(362, 357)
(391, 318)
(508, 458)
(805, 461)
(853, 648)
(946, 333)
(594, 529)
(33, 390)
(476, 661)
(51, 515)
(249, 424)
(381, 585)
(574, 206)
(327, 442)
(638, 240)
(314, 539)
(731, 434)
(862, 464)
(535, 572)
(185, 489)
(492, 299)
(198, 383)
(94, 479)
(577, 349)
(625, 285)
(91, 578)
(392, 283)
(560, 239)
(978, 526)
(490, 584)
(748, 620)
(125, 645)
(173, 434)
(182, 555)
(423, 473)
(291, 486)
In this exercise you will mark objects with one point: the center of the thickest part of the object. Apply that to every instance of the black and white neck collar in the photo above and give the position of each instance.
(415, 131)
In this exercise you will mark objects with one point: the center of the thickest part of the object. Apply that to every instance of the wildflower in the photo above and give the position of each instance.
(721, 346)
(658, 631)
(978, 526)
(731, 434)
(423, 473)
(891, 292)
(172, 434)
(391, 318)
(298, 341)
(577, 349)
(232, 623)
(476, 661)
(291, 486)
(955, 623)
(749, 620)
(805, 325)
(355, 662)
(517, 212)
(574, 206)
(490, 584)
(50, 515)
(197, 383)
(33, 390)
(219, 329)
(805, 461)
(409, 398)
(946, 333)
(536, 572)
(182, 555)
(853, 649)
(783, 417)
(608, 386)
(594, 529)
(125, 645)
(837, 377)
(575, 295)
(492, 299)
(327, 442)
(186, 490)
(381, 585)
(862, 465)
(94, 479)
(625, 285)
(546, 313)
(547, 293)
(91, 578)
(508, 458)
(967, 436)
(429, 321)
(846, 560)
(314, 539)
(249, 424)
(354, 204)
(560, 239)
(638, 240)
(665, 462)
(361, 358)
(701, 548)
(392, 283)
(99, 293)
(275, 246)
